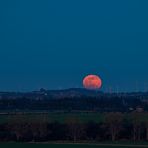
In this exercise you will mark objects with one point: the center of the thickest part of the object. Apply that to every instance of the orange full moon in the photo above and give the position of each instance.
(92, 82)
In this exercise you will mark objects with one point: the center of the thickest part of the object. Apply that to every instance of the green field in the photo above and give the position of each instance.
(45, 145)
(50, 117)
(61, 117)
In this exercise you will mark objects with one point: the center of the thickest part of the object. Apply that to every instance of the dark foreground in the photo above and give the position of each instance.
(78, 127)
(46, 145)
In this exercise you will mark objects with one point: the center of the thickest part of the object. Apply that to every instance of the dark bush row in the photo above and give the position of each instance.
(114, 127)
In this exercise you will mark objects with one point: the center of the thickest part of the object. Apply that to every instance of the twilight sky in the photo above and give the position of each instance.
(54, 43)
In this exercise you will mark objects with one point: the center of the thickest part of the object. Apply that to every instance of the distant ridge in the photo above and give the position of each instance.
(69, 93)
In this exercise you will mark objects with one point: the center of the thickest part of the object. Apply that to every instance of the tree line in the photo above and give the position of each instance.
(100, 104)
(115, 126)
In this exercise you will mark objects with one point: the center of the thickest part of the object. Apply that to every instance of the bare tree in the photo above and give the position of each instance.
(146, 125)
(17, 125)
(114, 121)
(21, 126)
(39, 127)
(75, 128)
(137, 121)
(144, 119)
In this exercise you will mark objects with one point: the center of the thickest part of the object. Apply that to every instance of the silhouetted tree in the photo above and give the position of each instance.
(137, 121)
(75, 128)
(114, 122)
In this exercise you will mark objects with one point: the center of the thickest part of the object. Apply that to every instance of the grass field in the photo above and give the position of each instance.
(60, 117)
(35, 145)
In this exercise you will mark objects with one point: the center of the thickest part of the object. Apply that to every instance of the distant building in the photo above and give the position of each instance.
(139, 109)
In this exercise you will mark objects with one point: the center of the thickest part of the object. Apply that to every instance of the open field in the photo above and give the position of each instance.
(60, 117)
(46, 145)
(53, 116)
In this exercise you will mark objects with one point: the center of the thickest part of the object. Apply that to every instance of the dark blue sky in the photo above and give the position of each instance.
(55, 43)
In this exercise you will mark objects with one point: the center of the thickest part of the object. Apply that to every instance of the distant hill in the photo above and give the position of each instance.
(73, 99)
(72, 92)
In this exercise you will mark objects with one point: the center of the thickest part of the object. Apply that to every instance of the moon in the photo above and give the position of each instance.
(92, 82)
